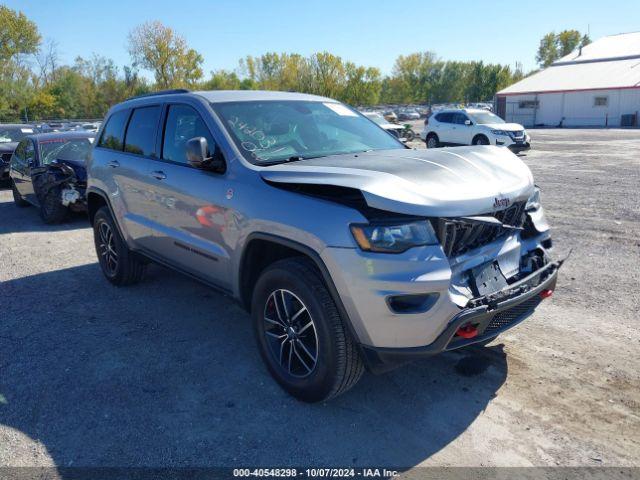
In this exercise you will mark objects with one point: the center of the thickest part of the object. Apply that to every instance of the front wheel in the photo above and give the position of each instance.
(300, 334)
(51, 209)
(480, 140)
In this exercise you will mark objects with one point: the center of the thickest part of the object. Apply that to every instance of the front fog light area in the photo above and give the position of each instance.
(393, 238)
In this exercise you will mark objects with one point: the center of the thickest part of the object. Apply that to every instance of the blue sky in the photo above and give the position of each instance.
(367, 32)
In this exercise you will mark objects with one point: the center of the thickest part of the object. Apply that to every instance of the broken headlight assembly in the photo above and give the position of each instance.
(393, 237)
(533, 203)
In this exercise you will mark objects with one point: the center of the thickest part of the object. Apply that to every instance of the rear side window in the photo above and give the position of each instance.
(183, 123)
(113, 134)
(444, 117)
(141, 132)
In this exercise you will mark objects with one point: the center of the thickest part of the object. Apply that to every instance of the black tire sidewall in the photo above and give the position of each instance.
(479, 138)
(321, 381)
(51, 208)
(434, 137)
(103, 216)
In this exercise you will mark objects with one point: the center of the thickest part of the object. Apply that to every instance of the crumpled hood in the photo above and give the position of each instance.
(436, 182)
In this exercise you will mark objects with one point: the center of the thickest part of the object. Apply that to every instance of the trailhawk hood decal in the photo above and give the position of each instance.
(447, 182)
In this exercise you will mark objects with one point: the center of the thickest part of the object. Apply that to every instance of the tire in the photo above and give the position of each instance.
(51, 209)
(17, 198)
(480, 140)
(410, 135)
(119, 264)
(291, 300)
(432, 141)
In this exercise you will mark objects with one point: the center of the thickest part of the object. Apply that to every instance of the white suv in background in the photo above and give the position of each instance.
(473, 127)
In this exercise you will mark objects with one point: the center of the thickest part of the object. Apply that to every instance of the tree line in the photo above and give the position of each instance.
(34, 85)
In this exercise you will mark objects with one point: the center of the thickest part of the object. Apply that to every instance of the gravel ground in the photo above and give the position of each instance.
(166, 373)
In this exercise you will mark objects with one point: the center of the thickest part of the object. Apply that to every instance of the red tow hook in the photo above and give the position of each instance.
(468, 331)
(546, 293)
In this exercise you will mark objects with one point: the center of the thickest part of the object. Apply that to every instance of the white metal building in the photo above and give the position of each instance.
(598, 85)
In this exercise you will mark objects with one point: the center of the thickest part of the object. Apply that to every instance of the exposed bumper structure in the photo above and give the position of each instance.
(490, 315)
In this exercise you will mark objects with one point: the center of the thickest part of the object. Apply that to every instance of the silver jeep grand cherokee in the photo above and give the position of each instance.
(349, 249)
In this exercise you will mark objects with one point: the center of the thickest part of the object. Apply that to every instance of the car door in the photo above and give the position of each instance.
(17, 164)
(128, 144)
(24, 161)
(192, 227)
(444, 127)
(463, 133)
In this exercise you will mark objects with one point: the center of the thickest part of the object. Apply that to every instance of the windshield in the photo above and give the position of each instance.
(14, 134)
(483, 118)
(276, 131)
(73, 149)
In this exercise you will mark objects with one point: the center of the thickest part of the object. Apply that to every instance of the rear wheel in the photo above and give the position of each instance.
(17, 198)
(409, 134)
(432, 141)
(119, 264)
(51, 208)
(300, 333)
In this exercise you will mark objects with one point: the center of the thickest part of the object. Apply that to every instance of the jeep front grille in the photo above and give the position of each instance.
(458, 235)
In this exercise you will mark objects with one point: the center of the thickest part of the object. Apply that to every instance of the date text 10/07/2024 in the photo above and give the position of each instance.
(316, 472)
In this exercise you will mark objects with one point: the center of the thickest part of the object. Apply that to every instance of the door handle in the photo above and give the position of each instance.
(113, 163)
(158, 174)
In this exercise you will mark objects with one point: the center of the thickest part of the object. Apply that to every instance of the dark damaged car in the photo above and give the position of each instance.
(48, 171)
(10, 136)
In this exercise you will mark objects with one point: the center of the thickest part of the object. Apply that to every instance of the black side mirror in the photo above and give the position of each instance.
(197, 151)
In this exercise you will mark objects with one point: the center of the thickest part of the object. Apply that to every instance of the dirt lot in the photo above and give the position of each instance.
(166, 373)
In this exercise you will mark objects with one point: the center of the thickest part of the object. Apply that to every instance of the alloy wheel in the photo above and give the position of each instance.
(291, 333)
(108, 248)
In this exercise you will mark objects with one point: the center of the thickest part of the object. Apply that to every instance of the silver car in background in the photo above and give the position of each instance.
(349, 250)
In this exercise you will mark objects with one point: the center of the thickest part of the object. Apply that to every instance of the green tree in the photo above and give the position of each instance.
(18, 34)
(158, 48)
(554, 46)
(547, 50)
(222, 80)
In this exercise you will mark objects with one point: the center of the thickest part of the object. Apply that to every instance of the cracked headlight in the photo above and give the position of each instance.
(393, 237)
(533, 203)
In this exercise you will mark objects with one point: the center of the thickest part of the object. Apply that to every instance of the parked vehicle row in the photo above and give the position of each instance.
(12, 133)
(404, 132)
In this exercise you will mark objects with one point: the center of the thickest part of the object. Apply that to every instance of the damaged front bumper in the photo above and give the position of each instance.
(489, 315)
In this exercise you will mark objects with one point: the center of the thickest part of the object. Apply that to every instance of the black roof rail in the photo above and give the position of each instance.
(160, 92)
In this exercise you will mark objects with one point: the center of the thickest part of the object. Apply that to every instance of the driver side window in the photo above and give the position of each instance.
(183, 123)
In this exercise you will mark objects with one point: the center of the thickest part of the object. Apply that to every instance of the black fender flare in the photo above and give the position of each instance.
(105, 197)
(316, 259)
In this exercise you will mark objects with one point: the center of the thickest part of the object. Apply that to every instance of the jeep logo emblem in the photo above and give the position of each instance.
(501, 202)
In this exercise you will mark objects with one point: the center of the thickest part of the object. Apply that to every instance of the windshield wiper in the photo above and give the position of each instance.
(294, 158)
